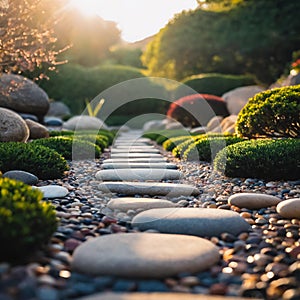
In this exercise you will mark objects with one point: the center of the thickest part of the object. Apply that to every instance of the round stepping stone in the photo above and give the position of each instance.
(137, 174)
(134, 150)
(253, 200)
(135, 160)
(289, 208)
(53, 191)
(144, 255)
(206, 222)
(138, 166)
(23, 176)
(126, 203)
(130, 188)
(135, 155)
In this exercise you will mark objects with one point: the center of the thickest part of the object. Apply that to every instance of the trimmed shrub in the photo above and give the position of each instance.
(270, 159)
(203, 107)
(160, 136)
(272, 113)
(26, 221)
(65, 146)
(214, 84)
(39, 160)
(171, 143)
(206, 148)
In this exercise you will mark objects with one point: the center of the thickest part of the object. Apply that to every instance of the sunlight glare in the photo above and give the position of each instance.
(86, 7)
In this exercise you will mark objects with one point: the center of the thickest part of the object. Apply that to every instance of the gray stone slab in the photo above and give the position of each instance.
(130, 188)
(126, 203)
(144, 255)
(135, 155)
(134, 150)
(132, 139)
(135, 160)
(138, 166)
(138, 174)
(205, 222)
(129, 147)
(128, 144)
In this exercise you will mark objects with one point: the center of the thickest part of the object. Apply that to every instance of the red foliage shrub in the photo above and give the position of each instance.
(196, 110)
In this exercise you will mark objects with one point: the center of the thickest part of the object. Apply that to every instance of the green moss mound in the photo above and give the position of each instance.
(206, 148)
(37, 159)
(272, 113)
(66, 146)
(26, 221)
(270, 159)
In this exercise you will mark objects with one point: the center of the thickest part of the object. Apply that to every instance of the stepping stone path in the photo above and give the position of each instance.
(178, 247)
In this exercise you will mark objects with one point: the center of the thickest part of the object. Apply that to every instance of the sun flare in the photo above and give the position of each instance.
(86, 7)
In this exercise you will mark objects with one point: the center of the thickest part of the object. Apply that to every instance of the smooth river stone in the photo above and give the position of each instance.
(132, 147)
(135, 155)
(134, 150)
(126, 144)
(135, 160)
(132, 140)
(144, 255)
(289, 208)
(130, 188)
(138, 166)
(138, 174)
(126, 203)
(53, 191)
(206, 222)
(23, 176)
(253, 200)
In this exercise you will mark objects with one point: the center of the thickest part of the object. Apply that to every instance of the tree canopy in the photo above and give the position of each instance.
(238, 37)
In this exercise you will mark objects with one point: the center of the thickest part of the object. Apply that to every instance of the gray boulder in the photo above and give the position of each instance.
(58, 109)
(22, 95)
(37, 131)
(84, 123)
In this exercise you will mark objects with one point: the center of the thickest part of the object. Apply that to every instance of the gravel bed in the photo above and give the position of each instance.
(263, 263)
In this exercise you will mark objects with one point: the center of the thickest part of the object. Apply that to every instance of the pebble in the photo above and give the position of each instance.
(53, 191)
(23, 176)
(289, 208)
(203, 222)
(144, 255)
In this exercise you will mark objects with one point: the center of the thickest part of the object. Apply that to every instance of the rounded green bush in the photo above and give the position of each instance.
(26, 221)
(272, 113)
(39, 160)
(66, 146)
(270, 159)
(206, 148)
(171, 143)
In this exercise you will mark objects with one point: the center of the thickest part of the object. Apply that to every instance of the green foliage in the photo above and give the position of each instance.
(160, 136)
(215, 84)
(270, 159)
(171, 143)
(39, 160)
(272, 113)
(127, 57)
(206, 148)
(26, 222)
(66, 146)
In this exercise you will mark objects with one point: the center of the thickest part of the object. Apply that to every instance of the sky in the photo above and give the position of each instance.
(137, 19)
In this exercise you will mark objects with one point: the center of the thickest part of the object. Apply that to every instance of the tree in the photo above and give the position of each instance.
(27, 38)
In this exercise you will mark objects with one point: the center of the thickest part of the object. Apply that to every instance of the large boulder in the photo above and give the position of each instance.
(84, 123)
(236, 99)
(22, 95)
(37, 131)
(214, 124)
(228, 124)
(12, 127)
(58, 109)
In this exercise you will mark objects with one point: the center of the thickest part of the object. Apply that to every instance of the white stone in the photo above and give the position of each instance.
(138, 165)
(135, 155)
(289, 208)
(84, 123)
(134, 150)
(135, 160)
(53, 191)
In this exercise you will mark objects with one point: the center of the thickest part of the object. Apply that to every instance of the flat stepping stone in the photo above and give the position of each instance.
(135, 160)
(131, 147)
(144, 255)
(138, 166)
(135, 155)
(53, 191)
(135, 150)
(206, 222)
(138, 174)
(23, 176)
(130, 188)
(131, 139)
(253, 200)
(127, 144)
(126, 203)
(289, 208)
(158, 296)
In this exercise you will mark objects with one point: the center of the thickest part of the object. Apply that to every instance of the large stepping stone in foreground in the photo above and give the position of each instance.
(144, 255)
(134, 150)
(159, 296)
(131, 188)
(135, 155)
(138, 174)
(138, 166)
(135, 160)
(126, 203)
(206, 222)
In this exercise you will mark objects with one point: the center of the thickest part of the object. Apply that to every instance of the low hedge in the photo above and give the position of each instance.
(26, 221)
(66, 146)
(171, 143)
(37, 159)
(270, 159)
(160, 136)
(206, 148)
